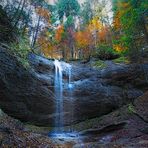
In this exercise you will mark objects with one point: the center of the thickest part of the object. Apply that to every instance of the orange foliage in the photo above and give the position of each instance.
(45, 45)
(117, 22)
(44, 13)
(83, 38)
(103, 33)
(59, 33)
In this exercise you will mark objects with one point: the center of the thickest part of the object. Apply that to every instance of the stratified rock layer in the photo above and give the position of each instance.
(29, 94)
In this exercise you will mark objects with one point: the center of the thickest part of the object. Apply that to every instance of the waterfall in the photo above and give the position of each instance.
(63, 70)
(61, 67)
(59, 95)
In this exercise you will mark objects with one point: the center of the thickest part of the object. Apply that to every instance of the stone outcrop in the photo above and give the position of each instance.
(98, 92)
(29, 94)
(141, 106)
(23, 94)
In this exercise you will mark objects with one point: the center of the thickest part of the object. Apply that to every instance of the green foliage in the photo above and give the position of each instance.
(69, 22)
(105, 52)
(86, 12)
(122, 59)
(67, 7)
(99, 64)
(132, 17)
(131, 109)
(21, 50)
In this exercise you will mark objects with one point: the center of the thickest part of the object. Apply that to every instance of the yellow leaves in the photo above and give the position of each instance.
(95, 24)
(119, 47)
(95, 32)
(117, 22)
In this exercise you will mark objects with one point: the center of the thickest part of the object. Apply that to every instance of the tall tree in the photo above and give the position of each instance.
(67, 8)
(130, 25)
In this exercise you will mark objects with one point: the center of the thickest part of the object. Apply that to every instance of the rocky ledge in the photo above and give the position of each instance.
(125, 127)
(28, 95)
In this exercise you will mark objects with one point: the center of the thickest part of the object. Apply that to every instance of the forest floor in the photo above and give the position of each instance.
(125, 127)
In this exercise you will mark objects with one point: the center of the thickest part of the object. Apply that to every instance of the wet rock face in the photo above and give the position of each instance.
(24, 94)
(98, 92)
(29, 94)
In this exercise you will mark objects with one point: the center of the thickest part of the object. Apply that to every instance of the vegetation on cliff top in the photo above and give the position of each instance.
(73, 31)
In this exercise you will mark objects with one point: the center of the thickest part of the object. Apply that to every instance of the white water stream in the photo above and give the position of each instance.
(62, 68)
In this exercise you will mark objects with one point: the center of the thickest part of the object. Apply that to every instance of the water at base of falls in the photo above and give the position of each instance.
(65, 136)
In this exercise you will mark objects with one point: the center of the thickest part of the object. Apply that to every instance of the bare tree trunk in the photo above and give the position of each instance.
(36, 32)
(15, 14)
(19, 15)
(144, 28)
(26, 24)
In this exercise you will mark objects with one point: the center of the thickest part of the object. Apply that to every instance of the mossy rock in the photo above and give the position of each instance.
(99, 64)
(122, 60)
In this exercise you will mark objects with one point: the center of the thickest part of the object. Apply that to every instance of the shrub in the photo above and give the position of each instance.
(99, 64)
(105, 52)
(122, 59)
(21, 49)
(131, 109)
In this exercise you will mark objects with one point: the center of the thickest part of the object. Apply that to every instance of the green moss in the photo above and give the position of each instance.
(131, 109)
(122, 59)
(99, 64)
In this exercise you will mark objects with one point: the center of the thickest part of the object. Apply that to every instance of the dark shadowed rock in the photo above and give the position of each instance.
(24, 94)
(98, 92)
(29, 94)
(141, 106)
(6, 29)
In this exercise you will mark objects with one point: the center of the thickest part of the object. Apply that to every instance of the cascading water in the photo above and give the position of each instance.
(62, 68)
(59, 95)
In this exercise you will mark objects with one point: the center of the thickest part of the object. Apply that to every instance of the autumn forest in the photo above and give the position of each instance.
(75, 30)
(74, 73)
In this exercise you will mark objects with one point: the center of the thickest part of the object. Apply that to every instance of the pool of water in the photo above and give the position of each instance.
(66, 136)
